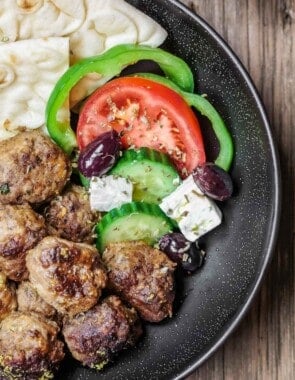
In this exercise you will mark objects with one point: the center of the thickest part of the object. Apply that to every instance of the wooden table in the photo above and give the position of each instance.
(262, 33)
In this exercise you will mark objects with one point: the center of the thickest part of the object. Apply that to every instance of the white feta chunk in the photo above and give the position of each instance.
(195, 213)
(109, 192)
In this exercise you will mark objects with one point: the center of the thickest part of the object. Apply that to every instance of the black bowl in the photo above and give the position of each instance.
(211, 302)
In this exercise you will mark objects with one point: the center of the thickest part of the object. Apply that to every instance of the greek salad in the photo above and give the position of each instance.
(141, 152)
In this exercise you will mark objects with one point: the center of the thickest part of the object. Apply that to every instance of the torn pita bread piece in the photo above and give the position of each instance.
(8, 22)
(27, 19)
(93, 26)
(29, 70)
(109, 23)
(113, 22)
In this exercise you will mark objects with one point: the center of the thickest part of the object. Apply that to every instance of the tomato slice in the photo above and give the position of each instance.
(146, 114)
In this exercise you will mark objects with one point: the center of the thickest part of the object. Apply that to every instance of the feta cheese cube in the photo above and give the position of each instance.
(195, 213)
(109, 192)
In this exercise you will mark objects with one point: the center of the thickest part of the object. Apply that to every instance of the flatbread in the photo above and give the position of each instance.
(109, 23)
(8, 22)
(29, 70)
(27, 19)
(92, 26)
(113, 22)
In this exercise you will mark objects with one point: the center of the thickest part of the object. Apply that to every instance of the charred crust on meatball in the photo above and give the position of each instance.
(143, 276)
(70, 217)
(21, 229)
(34, 172)
(69, 276)
(29, 347)
(98, 335)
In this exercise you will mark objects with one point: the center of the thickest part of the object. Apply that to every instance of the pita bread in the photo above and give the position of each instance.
(27, 19)
(109, 23)
(29, 70)
(93, 26)
(113, 22)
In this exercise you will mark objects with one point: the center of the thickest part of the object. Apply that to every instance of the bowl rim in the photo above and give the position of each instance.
(269, 252)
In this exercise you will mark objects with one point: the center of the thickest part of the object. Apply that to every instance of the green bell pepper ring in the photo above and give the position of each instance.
(108, 65)
(201, 104)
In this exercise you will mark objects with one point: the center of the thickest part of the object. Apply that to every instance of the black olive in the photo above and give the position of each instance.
(213, 181)
(98, 157)
(193, 259)
(186, 254)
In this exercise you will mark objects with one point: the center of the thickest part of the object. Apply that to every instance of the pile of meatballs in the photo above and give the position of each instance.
(57, 292)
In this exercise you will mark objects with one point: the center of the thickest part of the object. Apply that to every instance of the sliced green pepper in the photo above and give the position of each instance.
(108, 65)
(201, 104)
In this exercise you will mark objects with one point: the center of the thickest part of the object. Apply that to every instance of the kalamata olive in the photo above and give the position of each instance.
(174, 244)
(213, 181)
(100, 155)
(186, 254)
(193, 259)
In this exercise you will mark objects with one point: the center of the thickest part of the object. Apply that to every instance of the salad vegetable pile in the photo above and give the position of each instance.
(141, 152)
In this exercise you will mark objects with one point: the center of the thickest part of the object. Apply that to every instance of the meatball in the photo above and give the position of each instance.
(29, 347)
(7, 297)
(32, 169)
(143, 276)
(69, 215)
(69, 276)
(20, 230)
(96, 336)
(29, 300)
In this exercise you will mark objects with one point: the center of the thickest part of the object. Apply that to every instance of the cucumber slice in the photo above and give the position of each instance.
(151, 172)
(132, 221)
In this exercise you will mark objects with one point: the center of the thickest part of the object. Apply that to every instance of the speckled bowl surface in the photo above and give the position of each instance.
(211, 302)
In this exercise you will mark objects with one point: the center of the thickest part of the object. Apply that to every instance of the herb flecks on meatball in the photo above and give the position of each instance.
(70, 217)
(20, 230)
(143, 276)
(68, 276)
(95, 337)
(29, 347)
(33, 169)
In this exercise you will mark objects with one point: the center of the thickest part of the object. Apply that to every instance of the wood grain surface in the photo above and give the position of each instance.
(262, 33)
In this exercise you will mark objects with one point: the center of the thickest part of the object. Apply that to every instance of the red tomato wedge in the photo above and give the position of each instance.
(146, 114)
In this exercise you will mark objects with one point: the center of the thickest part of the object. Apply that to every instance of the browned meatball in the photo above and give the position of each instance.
(32, 169)
(143, 276)
(96, 336)
(29, 347)
(7, 297)
(29, 300)
(69, 276)
(69, 215)
(20, 230)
